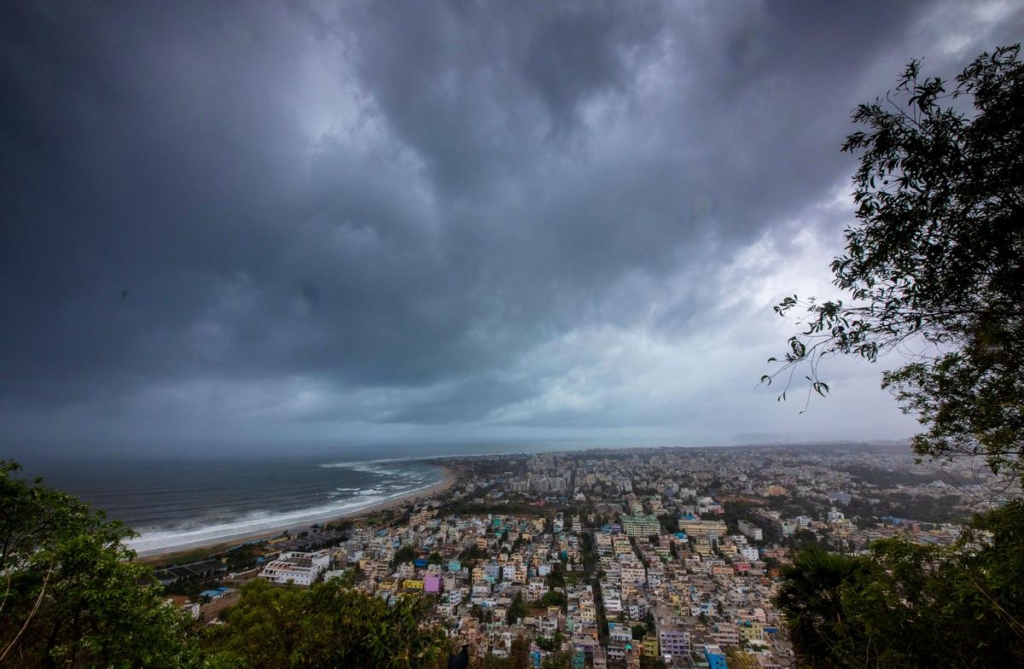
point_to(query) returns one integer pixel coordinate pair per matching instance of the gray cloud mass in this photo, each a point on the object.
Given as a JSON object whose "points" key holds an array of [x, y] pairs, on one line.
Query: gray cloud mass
{"points": [[454, 219]]}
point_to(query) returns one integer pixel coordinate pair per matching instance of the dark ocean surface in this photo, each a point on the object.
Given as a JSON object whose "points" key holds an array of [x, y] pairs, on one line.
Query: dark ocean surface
{"points": [[182, 497]]}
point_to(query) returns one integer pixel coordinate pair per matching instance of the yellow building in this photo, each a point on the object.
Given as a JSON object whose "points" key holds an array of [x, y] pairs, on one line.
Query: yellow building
{"points": [[751, 630]]}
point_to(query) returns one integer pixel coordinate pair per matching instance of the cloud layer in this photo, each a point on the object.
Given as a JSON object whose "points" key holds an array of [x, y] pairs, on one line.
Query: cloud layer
{"points": [[457, 220]]}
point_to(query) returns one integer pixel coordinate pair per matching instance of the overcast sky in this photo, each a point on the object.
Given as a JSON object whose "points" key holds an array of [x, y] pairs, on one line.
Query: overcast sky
{"points": [[429, 221]]}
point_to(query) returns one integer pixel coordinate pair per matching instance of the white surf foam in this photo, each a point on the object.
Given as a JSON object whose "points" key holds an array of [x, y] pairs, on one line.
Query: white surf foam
{"points": [[189, 535], [194, 533]]}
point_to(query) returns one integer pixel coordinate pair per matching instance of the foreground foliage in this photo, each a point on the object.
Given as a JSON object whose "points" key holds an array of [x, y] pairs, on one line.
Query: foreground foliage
{"points": [[325, 626], [70, 594], [907, 605], [936, 260], [935, 263]]}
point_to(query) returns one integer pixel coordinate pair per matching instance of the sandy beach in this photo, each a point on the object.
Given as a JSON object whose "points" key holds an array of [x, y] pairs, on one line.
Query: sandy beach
{"points": [[451, 477]]}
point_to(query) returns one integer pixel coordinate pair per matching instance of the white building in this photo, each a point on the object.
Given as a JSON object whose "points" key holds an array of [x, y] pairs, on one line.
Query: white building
{"points": [[751, 530], [612, 601], [633, 574], [298, 568]]}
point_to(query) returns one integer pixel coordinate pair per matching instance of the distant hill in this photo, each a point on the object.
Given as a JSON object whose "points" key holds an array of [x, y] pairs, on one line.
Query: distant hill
{"points": [[894, 433]]}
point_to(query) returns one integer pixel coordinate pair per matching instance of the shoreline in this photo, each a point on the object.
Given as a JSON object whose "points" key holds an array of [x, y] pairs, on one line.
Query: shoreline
{"points": [[450, 478]]}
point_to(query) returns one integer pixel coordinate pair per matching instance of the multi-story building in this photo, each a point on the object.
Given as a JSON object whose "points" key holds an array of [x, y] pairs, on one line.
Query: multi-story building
{"points": [[640, 526], [695, 527], [751, 630], [633, 574], [674, 641], [714, 656], [612, 601], [751, 530], [297, 568], [619, 633], [650, 645], [725, 634], [421, 517]]}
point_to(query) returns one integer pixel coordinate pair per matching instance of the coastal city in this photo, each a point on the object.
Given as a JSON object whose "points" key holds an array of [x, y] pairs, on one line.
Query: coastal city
{"points": [[610, 558], [512, 335]]}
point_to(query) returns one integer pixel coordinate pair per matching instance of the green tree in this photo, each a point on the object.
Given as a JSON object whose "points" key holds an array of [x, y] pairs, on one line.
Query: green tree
{"points": [[551, 645], [404, 554], [669, 523], [653, 662], [516, 610], [519, 653], [489, 661], [907, 605], [558, 660], [811, 601], [325, 626], [72, 594], [936, 259], [802, 537], [650, 623], [471, 554], [738, 659]]}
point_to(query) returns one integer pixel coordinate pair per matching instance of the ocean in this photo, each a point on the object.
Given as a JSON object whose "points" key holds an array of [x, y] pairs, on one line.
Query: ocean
{"points": [[176, 503], [177, 499]]}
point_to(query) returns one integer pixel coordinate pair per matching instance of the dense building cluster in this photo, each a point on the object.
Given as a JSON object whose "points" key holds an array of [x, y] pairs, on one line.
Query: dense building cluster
{"points": [[610, 556]]}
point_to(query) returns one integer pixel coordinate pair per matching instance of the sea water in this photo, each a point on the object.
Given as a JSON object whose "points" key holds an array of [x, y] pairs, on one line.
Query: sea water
{"points": [[180, 497], [183, 502]]}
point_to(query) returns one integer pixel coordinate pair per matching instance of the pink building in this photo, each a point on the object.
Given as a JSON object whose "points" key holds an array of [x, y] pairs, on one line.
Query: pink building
{"points": [[432, 583]]}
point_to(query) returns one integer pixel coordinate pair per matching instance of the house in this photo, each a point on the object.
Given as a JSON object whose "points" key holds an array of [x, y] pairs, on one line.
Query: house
{"points": [[725, 634], [432, 584], [714, 656], [296, 568]]}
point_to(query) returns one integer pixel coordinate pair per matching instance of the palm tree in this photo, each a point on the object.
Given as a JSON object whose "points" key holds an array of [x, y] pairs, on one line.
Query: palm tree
{"points": [[811, 600]]}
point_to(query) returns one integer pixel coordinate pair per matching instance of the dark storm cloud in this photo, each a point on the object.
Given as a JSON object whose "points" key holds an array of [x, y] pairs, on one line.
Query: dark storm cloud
{"points": [[400, 211]]}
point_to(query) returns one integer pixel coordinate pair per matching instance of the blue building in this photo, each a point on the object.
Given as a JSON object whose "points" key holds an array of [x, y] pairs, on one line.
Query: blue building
{"points": [[715, 657]]}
